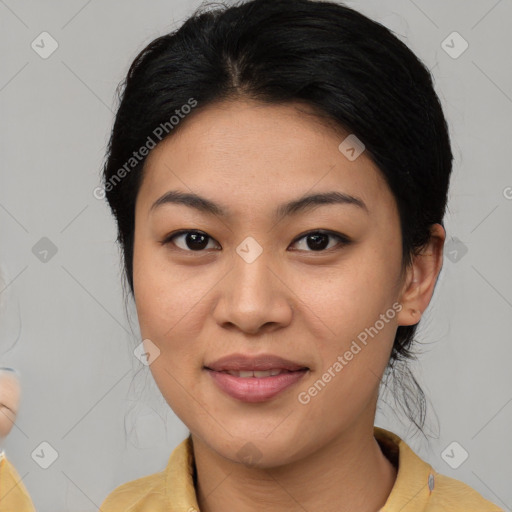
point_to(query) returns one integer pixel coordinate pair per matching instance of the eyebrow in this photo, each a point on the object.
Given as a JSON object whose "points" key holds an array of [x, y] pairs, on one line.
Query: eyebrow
{"points": [[293, 207]]}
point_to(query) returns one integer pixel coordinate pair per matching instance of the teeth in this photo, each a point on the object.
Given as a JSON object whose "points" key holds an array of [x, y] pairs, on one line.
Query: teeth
{"points": [[266, 373], [258, 374]]}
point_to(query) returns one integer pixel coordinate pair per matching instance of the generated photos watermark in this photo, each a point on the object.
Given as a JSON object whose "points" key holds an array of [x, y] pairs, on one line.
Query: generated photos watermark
{"points": [[159, 133], [304, 397]]}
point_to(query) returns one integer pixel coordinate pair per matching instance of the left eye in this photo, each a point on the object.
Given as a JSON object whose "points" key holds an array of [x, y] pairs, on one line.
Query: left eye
{"points": [[319, 240]]}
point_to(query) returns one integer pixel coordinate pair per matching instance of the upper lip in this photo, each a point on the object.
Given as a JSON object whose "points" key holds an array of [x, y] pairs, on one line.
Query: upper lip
{"points": [[242, 362]]}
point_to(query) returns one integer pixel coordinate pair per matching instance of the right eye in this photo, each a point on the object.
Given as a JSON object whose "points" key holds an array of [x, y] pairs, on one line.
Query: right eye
{"points": [[190, 241]]}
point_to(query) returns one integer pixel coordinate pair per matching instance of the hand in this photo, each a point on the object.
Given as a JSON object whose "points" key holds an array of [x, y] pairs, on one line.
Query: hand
{"points": [[9, 399]]}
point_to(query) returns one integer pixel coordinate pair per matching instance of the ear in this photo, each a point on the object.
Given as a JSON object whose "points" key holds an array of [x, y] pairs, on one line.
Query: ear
{"points": [[421, 277]]}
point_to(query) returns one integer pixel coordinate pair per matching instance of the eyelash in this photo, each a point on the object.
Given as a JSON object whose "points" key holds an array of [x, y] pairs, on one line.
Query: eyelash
{"points": [[342, 239]]}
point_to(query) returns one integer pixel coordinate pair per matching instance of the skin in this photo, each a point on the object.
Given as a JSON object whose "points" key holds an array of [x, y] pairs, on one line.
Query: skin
{"points": [[292, 301], [9, 400]]}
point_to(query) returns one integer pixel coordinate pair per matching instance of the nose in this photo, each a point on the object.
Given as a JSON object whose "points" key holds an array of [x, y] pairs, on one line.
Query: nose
{"points": [[253, 297]]}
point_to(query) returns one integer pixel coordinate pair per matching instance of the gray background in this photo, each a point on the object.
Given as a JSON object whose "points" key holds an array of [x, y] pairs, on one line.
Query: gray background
{"points": [[84, 392]]}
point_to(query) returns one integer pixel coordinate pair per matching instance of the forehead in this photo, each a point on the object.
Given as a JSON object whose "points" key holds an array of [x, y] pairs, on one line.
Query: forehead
{"points": [[254, 153]]}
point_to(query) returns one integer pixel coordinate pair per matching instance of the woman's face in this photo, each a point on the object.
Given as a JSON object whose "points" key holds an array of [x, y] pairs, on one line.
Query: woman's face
{"points": [[253, 283]]}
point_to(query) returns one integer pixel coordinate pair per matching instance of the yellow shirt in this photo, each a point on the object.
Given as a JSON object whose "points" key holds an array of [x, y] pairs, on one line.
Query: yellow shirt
{"points": [[418, 488], [13, 495]]}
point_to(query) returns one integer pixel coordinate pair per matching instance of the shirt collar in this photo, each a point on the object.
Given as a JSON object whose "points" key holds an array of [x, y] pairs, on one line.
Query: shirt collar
{"points": [[411, 491], [415, 479]]}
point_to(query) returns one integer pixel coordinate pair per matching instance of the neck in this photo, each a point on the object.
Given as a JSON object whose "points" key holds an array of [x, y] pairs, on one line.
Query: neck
{"points": [[350, 473]]}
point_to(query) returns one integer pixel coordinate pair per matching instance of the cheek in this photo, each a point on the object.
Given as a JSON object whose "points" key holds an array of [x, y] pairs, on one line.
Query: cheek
{"points": [[165, 298], [354, 344], [351, 296], [358, 324], [167, 305], [172, 308]]}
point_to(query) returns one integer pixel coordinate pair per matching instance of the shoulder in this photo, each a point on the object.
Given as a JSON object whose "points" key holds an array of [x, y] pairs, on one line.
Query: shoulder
{"points": [[419, 487], [14, 494], [454, 495], [159, 492], [148, 491]]}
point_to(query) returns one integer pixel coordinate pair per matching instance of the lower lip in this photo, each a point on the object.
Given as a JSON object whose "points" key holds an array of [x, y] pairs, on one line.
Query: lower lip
{"points": [[255, 389]]}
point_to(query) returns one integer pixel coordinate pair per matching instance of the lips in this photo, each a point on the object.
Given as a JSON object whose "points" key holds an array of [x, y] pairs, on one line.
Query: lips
{"points": [[255, 379], [243, 363], [259, 374]]}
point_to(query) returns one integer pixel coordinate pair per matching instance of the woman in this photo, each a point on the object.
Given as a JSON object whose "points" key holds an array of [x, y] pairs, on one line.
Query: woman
{"points": [[278, 171], [13, 493]]}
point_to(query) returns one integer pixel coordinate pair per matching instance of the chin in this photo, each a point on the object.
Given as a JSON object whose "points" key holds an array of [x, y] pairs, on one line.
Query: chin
{"points": [[256, 450]]}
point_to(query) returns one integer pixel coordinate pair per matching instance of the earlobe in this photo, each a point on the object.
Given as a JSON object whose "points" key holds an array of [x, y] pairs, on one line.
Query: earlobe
{"points": [[421, 278]]}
